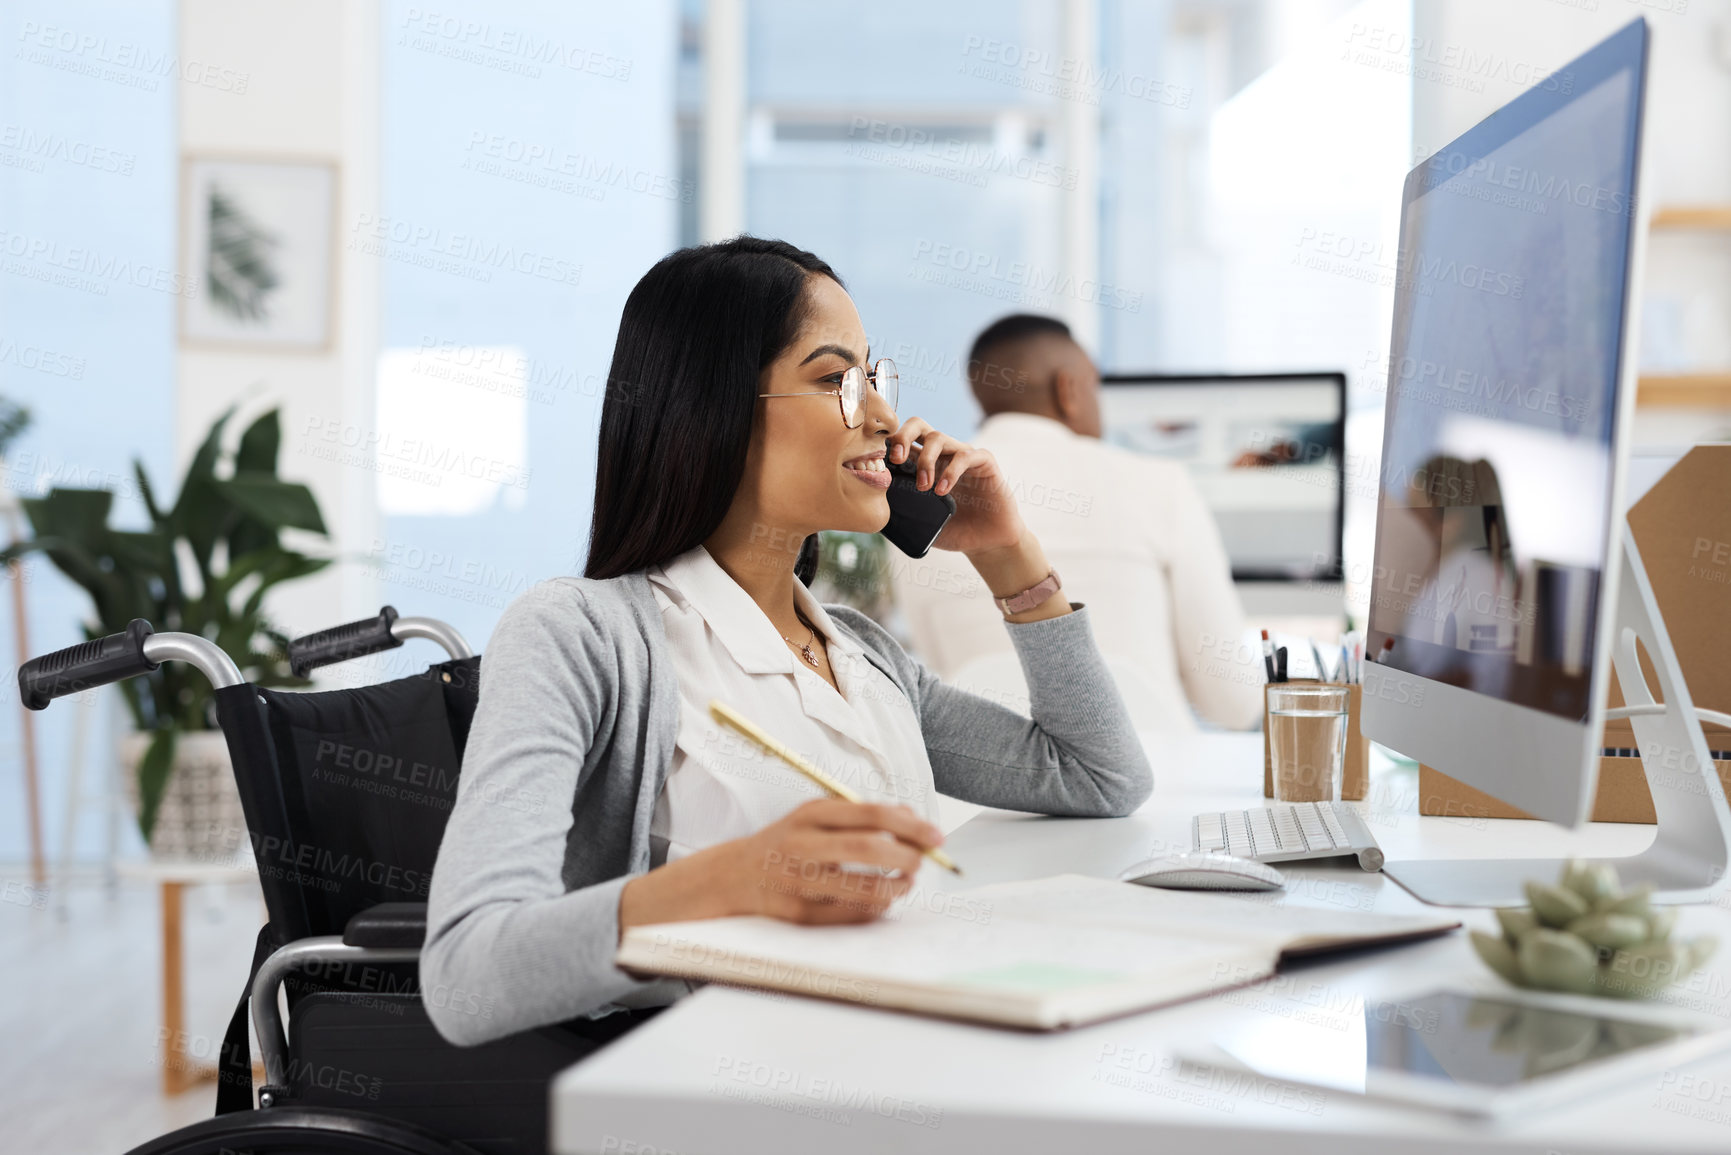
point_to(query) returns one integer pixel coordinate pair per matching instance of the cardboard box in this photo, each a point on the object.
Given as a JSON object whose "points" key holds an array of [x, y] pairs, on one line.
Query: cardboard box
{"points": [[1622, 794], [1682, 527], [1355, 775]]}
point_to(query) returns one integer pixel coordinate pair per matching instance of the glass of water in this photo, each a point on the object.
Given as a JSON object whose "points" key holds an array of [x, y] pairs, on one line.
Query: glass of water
{"points": [[1307, 740]]}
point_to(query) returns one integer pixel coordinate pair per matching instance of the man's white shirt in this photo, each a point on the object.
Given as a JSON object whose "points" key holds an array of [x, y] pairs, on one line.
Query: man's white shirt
{"points": [[1132, 539]]}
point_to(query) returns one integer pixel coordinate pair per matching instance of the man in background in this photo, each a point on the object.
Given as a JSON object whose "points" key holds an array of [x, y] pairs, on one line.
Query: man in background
{"points": [[1129, 536]]}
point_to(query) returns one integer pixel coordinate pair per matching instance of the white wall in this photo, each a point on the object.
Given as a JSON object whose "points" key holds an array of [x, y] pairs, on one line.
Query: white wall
{"points": [[1688, 120], [1688, 141], [312, 70]]}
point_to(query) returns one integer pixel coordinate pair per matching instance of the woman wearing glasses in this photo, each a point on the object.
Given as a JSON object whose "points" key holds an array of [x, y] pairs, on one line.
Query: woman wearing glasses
{"points": [[598, 793]]}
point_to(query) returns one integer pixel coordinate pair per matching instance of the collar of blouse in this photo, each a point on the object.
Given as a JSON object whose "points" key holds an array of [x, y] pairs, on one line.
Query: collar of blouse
{"points": [[757, 646]]}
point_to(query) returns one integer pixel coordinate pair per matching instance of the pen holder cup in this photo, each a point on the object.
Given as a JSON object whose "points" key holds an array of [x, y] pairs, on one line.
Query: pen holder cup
{"points": [[1355, 775]]}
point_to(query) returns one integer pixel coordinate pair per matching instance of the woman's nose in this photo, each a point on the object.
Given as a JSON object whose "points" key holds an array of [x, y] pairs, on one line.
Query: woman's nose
{"points": [[878, 408]]}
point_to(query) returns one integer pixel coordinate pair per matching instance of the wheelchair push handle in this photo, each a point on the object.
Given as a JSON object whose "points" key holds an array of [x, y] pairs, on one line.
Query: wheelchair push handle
{"points": [[86, 665], [341, 643], [102, 661], [387, 631]]}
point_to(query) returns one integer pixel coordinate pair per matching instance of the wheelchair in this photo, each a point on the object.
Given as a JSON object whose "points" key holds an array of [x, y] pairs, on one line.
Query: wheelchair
{"points": [[346, 793]]}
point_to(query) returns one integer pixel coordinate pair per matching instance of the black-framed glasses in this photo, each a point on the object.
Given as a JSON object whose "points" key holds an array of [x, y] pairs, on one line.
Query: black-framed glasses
{"points": [[883, 377]]}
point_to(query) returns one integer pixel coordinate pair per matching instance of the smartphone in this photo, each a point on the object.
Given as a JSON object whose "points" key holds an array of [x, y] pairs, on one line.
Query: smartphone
{"points": [[915, 517]]}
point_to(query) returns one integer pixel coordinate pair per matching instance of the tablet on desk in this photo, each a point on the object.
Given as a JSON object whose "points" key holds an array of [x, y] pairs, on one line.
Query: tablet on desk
{"points": [[1493, 1054]]}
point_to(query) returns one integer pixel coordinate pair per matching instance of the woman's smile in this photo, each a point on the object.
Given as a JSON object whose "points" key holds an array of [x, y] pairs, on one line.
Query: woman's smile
{"points": [[870, 469]]}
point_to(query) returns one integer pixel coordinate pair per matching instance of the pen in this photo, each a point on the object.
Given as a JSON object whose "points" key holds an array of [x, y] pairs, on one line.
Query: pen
{"points": [[1316, 656], [1280, 664], [729, 716], [1345, 665], [1268, 656]]}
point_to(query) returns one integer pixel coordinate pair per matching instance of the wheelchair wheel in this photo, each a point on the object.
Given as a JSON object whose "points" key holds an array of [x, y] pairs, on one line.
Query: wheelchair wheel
{"points": [[301, 1131]]}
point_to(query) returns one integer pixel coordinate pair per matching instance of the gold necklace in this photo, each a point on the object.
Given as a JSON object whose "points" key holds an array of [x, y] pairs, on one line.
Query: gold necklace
{"points": [[805, 650]]}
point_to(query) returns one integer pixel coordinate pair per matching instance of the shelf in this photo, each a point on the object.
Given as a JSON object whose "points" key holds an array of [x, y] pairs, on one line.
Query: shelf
{"points": [[1710, 390], [1685, 390], [1692, 217]]}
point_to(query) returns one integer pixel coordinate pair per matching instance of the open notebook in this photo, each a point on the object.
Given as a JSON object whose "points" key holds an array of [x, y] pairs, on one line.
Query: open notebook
{"points": [[1052, 953]]}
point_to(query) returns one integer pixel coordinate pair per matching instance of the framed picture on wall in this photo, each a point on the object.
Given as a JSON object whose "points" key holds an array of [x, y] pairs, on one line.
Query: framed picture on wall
{"points": [[259, 250]]}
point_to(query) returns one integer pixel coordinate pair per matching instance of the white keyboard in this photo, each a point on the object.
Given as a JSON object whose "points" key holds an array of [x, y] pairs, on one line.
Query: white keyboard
{"points": [[1287, 831]]}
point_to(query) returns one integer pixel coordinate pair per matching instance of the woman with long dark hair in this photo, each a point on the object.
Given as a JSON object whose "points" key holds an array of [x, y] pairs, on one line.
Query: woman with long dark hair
{"points": [[744, 414]]}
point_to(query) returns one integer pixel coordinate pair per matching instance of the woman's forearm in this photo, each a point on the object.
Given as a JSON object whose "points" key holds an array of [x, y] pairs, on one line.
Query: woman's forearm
{"points": [[798, 868], [1008, 570], [689, 888]]}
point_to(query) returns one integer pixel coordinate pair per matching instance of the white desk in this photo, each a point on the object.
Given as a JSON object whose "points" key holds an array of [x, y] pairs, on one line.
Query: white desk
{"points": [[745, 1073]]}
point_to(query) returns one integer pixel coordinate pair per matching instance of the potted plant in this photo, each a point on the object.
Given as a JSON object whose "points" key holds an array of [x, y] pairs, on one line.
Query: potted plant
{"points": [[203, 566], [854, 569]]}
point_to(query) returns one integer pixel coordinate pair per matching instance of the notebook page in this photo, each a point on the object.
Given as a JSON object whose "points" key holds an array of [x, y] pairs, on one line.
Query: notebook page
{"points": [[1047, 953], [1008, 955]]}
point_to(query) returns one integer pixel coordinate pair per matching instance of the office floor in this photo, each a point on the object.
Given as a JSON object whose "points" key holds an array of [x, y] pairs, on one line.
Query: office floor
{"points": [[81, 1010]]}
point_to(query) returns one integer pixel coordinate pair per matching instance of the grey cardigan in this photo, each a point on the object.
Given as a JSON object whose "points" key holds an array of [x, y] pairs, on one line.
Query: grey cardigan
{"points": [[571, 742]]}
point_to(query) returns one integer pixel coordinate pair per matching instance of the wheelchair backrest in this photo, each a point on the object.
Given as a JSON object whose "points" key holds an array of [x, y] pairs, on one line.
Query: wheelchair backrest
{"points": [[347, 791]]}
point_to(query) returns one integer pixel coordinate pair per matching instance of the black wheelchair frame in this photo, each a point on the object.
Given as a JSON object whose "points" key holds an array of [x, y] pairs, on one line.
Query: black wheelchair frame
{"points": [[360, 1069]]}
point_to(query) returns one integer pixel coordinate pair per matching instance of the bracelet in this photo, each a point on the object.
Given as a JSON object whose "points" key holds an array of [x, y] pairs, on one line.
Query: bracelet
{"points": [[1031, 597]]}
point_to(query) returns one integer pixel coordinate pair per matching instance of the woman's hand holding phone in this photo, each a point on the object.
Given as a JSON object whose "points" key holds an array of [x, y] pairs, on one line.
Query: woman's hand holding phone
{"points": [[986, 516], [987, 526], [796, 869]]}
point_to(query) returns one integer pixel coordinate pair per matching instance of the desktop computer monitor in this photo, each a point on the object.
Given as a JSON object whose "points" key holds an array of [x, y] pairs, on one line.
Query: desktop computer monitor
{"points": [[1265, 451], [1499, 517]]}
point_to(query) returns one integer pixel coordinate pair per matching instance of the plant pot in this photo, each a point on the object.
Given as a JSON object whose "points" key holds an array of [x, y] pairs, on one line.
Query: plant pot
{"points": [[200, 819]]}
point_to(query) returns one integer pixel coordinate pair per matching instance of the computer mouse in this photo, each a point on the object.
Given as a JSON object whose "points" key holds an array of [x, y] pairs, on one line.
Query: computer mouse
{"points": [[1204, 870]]}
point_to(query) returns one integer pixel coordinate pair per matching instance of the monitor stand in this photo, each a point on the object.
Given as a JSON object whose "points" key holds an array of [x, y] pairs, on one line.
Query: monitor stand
{"points": [[1692, 840]]}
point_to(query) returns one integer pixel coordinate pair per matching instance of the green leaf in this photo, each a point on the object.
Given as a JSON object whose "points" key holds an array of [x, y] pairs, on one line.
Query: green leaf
{"points": [[242, 567], [78, 514], [259, 446], [136, 573], [149, 495], [278, 504], [203, 464], [288, 566], [14, 420], [71, 528], [201, 515], [145, 551], [250, 535], [109, 593], [153, 771], [256, 456], [301, 566]]}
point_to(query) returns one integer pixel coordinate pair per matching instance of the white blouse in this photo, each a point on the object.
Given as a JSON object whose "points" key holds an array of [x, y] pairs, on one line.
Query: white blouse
{"points": [[721, 785]]}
